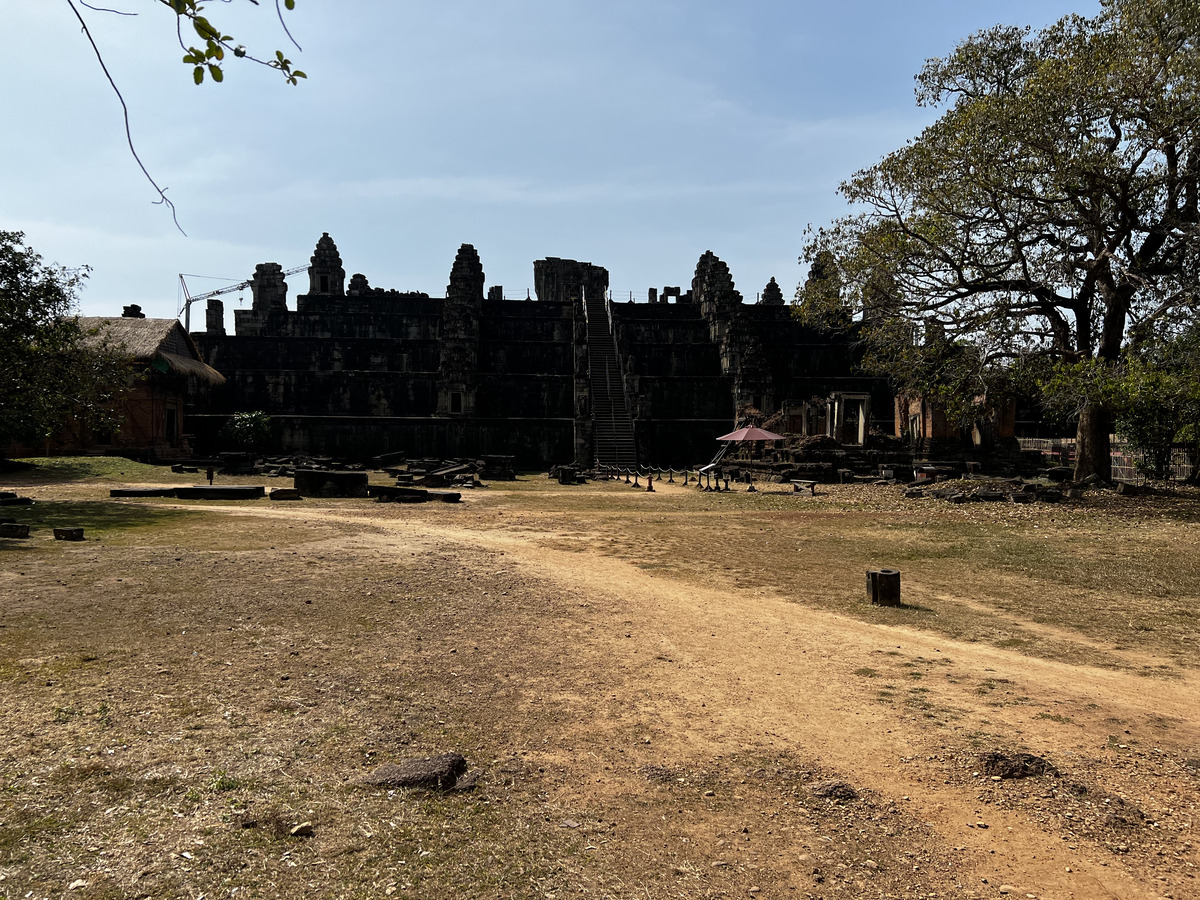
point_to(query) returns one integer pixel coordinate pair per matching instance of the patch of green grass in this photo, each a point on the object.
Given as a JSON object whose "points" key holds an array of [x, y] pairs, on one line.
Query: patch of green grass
{"points": [[866, 672], [97, 517], [79, 468], [37, 829], [222, 781]]}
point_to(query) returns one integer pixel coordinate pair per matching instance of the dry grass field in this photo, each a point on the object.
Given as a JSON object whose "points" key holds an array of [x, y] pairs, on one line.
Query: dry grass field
{"points": [[654, 688]]}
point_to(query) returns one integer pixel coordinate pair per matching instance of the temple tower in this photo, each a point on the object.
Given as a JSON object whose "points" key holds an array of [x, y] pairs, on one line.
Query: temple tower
{"points": [[458, 363], [741, 352], [772, 295], [325, 274]]}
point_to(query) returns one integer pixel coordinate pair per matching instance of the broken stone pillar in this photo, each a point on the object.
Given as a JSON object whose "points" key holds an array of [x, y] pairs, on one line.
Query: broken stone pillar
{"points": [[214, 317], [495, 293], [883, 587], [268, 289], [358, 285], [653, 295]]}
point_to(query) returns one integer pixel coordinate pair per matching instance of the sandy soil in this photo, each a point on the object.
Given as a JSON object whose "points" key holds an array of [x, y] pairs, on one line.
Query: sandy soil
{"points": [[664, 728]]}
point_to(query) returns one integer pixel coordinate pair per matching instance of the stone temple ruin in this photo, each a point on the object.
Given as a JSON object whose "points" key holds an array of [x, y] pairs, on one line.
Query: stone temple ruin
{"points": [[358, 371]]}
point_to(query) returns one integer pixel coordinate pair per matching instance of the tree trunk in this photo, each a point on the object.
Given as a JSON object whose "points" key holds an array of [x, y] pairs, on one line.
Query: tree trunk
{"points": [[1093, 455]]}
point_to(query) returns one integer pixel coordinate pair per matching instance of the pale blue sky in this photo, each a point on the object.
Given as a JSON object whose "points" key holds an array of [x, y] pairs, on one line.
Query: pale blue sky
{"points": [[635, 134]]}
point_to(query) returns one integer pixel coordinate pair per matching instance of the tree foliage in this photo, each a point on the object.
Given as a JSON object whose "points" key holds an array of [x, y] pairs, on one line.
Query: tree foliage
{"points": [[1158, 400], [209, 58], [819, 300], [248, 431], [1050, 213], [51, 372]]}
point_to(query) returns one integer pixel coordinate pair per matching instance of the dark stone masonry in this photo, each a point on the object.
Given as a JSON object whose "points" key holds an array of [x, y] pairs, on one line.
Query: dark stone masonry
{"points": [[359, 371]]}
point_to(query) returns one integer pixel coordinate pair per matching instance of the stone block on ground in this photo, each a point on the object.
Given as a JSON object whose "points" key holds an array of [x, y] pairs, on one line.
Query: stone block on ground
{"points": [[285, 494], [390, 459], [68, 534], [398, 493], [221, 492], [439, 772], [321, 483], [13, 530]]}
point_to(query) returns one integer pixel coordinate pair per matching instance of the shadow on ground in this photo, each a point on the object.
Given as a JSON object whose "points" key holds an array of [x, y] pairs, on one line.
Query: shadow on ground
{"points": [[93, 516]]}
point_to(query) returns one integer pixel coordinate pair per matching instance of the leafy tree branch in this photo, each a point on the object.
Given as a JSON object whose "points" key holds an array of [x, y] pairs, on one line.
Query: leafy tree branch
{"points": [[205, 61]]}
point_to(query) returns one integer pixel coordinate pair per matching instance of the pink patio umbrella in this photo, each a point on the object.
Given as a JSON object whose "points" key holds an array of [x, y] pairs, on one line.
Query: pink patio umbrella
{"points": [[751, 434]]}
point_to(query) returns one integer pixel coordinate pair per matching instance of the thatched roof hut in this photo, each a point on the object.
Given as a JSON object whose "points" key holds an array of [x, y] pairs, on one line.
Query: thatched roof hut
{"points": [[161, 344]]}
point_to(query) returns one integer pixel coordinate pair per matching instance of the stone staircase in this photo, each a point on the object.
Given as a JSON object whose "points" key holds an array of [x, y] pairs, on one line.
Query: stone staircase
{"points": [[612, 426]]}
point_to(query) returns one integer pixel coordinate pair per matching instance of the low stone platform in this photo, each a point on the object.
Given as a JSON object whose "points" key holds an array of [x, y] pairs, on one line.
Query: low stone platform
{"points": [[221, 492], [142, 492], [387, 493]]}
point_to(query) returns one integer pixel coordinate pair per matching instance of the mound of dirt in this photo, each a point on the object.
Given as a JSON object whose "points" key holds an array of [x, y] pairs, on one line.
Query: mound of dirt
{"points": [[1016, 765]]}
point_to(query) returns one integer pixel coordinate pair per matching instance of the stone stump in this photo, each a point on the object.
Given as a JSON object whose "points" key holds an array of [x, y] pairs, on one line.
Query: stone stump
{"points": [[883, 587]]}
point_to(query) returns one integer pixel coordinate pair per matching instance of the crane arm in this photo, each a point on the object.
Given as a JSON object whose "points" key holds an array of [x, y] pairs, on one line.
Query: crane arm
{"points": [[189, 298]]}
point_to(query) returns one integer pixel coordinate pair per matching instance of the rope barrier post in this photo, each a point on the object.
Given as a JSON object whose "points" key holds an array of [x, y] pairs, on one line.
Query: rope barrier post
{"points": [[635, 480], [649, 484], [670, 476]]}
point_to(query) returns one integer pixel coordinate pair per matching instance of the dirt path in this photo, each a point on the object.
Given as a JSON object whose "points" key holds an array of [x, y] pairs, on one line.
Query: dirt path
{"points": [[897, 712]]}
